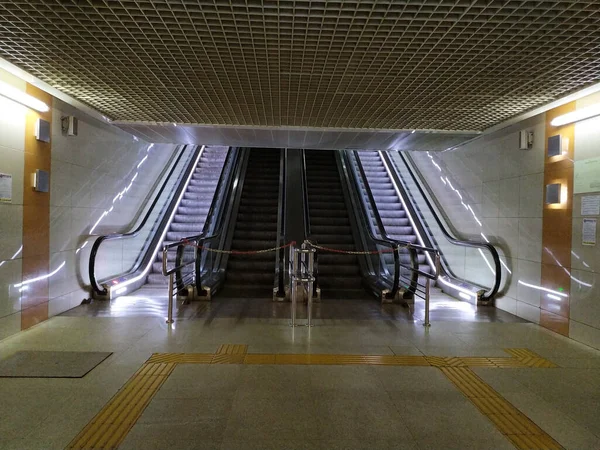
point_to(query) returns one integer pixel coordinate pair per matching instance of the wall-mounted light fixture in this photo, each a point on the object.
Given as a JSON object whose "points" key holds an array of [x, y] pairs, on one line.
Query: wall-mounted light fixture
{"points": [[553, 194], [16, 95], [577, 115]]}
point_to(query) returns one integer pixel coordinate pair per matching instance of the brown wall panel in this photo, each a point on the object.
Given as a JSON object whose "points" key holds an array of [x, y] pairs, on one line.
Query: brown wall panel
{"points": [[36, 219], [557, 228]]}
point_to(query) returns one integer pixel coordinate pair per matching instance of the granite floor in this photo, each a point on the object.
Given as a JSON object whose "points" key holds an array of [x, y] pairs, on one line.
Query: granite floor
{"points": [[294, 406]]}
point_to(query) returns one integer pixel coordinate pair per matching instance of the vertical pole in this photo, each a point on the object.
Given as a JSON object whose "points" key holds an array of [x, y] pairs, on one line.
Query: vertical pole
{"points": [[170, 310], [437, 264], [427, 283], [311, 280], [294, 255]]}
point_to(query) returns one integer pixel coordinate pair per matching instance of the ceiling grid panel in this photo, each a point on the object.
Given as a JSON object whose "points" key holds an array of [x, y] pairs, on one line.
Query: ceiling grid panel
{"points": [[372, 64]]}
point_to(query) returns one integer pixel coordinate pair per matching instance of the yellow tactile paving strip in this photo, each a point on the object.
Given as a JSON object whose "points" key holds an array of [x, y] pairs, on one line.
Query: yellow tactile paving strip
{"points": [[113, 422], [515, 425]]}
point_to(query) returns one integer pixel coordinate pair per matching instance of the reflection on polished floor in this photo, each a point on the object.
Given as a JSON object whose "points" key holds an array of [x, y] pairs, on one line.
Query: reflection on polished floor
{"points": [[267, 398], [151, 302]]}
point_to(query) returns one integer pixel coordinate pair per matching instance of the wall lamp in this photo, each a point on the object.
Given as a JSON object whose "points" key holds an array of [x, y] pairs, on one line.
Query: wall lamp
{"points": [[576, 116], [16, 95]]}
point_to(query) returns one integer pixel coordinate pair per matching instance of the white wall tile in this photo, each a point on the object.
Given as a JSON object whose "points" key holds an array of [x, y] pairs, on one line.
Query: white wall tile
{"points": [[507, 304], [11, 224], [10, 325], [530, 273], [585, 297], [10, 297], [530, 239], [528, 312], [531, 195]]}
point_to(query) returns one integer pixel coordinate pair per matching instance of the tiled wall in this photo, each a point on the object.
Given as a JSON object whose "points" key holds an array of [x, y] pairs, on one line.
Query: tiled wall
{"points": [[89, 171], [12, 161], [503, 186], [87, 174], [584, 323]]}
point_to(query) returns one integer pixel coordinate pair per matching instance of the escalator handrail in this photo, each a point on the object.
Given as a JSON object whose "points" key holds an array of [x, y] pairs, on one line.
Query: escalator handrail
{"points": [[307, 231], [281, 213], [114, 236], [461, 242]]}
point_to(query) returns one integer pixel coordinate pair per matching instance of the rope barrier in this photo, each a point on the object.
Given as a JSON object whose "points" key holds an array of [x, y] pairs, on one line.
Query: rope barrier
{"points": [[238, 252], [274, 249], [349, 252]]}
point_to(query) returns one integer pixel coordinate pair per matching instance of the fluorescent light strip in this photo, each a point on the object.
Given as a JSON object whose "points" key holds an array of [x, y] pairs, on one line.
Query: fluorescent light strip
{"points": [[23, 98], [162, 237], [576, 116]]}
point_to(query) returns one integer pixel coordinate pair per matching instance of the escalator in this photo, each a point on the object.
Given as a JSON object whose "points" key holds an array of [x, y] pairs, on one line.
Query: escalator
{"points": [[339, 273], [191, 213], [389, 206], [176, 207], [390, 203], [256, 228]]}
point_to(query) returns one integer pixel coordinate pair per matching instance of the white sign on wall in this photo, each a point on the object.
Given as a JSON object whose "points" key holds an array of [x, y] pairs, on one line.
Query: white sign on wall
{"points": [[590, 205], [589, 231], [587, 176], [5, 188]]}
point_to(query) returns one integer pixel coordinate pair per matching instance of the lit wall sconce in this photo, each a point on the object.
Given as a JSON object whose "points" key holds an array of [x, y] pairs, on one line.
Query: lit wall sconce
{"points": [[577, 115], [553, 194], [41, 181], [42, 130], [557, 145], [16, 95]]}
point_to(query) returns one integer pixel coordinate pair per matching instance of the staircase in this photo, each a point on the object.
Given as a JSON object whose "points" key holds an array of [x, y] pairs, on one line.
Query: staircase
{"points": [[393, 215], [253, 275], [339, 274], [191, 212]]}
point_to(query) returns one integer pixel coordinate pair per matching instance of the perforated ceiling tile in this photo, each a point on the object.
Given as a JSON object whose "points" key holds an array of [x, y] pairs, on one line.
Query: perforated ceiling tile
{"points": [[452, 65]]}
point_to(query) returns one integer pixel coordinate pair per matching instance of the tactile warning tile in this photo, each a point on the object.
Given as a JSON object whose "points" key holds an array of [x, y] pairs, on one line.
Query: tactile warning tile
{"points": [[529, 358], [233, 349], [182, 358], [110, 426], [425, 64], [511, 422]]}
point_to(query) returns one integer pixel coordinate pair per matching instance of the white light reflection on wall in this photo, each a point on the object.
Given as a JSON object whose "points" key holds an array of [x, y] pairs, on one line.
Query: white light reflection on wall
{"points": [[42, 277], [119, 197], [13, 256]]}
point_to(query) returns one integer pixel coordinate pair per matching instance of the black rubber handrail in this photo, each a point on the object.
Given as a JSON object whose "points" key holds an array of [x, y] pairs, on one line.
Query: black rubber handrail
{"points": [[114, 236], [233, 184], [282, 222], [463, 243], [306, 207]]}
